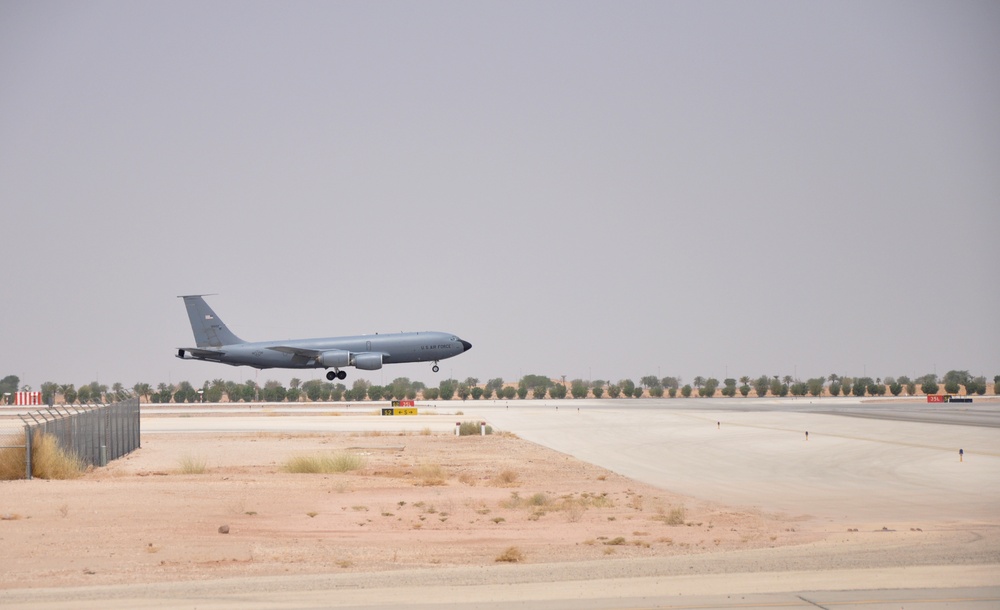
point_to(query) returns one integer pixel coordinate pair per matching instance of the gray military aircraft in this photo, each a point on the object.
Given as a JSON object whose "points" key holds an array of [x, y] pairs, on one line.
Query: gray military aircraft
{"points": [[216, 343]]}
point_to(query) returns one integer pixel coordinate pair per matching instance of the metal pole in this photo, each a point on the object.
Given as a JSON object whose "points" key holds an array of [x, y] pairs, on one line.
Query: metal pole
{"points": [[27, 452]]}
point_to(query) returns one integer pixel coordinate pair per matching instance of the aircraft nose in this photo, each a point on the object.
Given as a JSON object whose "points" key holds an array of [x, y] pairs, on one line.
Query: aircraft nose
{"points": [[466, 345]]}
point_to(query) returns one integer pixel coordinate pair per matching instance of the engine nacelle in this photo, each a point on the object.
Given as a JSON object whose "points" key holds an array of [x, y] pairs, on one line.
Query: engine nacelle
{"points": [[368, 362], [335, 358]]}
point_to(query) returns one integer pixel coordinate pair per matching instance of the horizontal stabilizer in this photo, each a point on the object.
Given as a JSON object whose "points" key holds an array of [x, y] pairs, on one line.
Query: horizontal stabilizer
{"points": [[209, 354]]}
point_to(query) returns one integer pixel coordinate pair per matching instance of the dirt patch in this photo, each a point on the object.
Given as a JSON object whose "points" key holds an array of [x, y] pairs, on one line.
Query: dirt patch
{"points": [[415, 500]]}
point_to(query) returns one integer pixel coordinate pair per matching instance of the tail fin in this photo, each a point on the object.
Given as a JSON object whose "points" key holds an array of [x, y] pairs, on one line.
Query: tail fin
{"points": [[209, 330]]}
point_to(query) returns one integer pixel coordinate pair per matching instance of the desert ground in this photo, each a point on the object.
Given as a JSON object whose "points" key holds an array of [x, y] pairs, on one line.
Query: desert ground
{"points": [[426, 506], [418, 500]]}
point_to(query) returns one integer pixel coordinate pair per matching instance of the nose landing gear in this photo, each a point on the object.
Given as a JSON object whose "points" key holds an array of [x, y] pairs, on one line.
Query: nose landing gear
{"points": [[435, 368]]}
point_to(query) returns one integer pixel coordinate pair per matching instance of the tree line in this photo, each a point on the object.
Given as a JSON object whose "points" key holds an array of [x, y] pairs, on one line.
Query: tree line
{"points": [[533, 386]]}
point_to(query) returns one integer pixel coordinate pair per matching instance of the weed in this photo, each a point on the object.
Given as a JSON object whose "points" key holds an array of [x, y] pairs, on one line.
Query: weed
{"points": [[498, 520], [472, 428], [506, 478], [616, 541], [324, 464], [49, 460], [192, 464], [538, 499], [514, 501], [431, 475], [511, 555], [12, 464], [674, 517], [312, 514]]}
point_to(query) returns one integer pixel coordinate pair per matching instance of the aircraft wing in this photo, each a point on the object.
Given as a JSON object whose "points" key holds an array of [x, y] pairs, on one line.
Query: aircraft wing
{"points": [[299, 355], [296, 351]]}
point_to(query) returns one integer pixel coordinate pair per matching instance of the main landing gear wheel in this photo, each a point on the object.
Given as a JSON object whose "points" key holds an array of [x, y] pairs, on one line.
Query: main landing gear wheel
{"points": [[331, 375], [435, 368]]}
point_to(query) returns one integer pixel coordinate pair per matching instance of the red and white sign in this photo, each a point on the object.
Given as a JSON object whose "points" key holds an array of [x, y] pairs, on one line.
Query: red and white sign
{"points": [[27, 398], [934, 398]]}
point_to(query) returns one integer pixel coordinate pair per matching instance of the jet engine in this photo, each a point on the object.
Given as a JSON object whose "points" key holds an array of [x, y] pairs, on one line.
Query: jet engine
{"points": [[368, 362], [335, 358]]}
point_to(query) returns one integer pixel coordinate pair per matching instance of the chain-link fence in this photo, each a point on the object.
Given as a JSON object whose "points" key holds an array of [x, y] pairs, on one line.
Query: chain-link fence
{"points": [[95, 434]]}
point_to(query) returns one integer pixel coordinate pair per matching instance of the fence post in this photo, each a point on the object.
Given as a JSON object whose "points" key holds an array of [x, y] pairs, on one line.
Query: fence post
{"points": [[27, 452]]}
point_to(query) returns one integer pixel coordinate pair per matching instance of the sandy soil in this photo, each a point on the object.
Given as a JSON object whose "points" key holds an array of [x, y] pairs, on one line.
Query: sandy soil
{"points": [[419, 500]]}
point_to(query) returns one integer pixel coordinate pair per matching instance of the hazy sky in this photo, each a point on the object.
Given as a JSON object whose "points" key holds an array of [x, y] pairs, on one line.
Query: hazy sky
{"points": [[589, 189]]}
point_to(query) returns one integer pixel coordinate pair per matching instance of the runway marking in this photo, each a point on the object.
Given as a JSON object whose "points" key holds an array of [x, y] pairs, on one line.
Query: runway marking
{"points": [[846, 436]]}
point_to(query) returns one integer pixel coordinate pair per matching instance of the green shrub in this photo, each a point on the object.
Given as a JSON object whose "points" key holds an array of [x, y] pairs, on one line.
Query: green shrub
{"points": [[472, 428]]}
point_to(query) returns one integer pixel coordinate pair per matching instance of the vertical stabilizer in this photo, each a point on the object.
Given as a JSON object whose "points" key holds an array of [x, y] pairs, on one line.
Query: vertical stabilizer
{"points": [[209, 330]]}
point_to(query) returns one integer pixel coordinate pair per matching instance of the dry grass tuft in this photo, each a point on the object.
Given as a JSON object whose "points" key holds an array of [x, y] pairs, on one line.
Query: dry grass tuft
{"points": [[11, 464], [511, 555], [192, 464], [431, 475], [50, 461], [674, 517], [324, 464], [506, 478]]}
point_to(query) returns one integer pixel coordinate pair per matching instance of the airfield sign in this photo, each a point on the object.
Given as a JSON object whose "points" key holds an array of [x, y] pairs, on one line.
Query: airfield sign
{"points": [[400, 407]]}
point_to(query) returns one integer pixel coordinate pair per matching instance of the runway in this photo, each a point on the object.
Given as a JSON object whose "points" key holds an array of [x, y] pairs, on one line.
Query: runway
{"points": [[849, 467]]}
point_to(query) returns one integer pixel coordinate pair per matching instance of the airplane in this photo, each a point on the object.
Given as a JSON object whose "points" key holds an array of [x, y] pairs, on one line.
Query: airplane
{"points": [[216, 343]]}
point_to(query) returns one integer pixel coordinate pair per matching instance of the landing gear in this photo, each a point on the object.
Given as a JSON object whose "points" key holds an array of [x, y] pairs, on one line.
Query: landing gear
{"points": [[435, 368], [331, 375]]}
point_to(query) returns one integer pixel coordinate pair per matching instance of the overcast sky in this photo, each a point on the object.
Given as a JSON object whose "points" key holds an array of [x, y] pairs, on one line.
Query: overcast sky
{"points": [[590, 189]]}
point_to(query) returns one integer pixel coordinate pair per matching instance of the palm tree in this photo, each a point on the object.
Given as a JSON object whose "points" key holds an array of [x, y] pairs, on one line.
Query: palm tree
{"points": [[142, 389]]}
